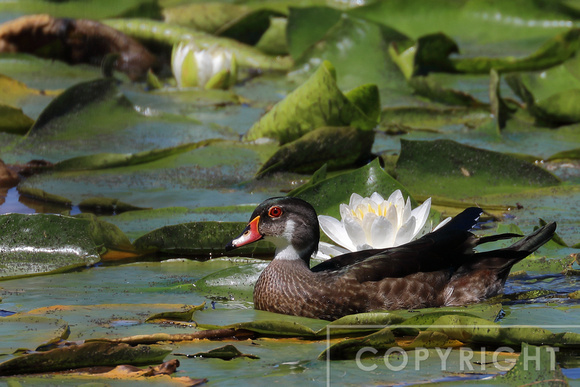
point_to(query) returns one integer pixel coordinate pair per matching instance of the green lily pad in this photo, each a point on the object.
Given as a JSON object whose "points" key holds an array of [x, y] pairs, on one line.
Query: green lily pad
{"points": [[316, 34], [103, 112], [476, 26], [200, 177], [428, 86], [185, 314], [96, 9], [40, 331], [349, 349], [534, 366], [13, 120], [40, 244], [199, 238], [476, 330], [412, 320], [552, 95], [328, 194], [275, 328], [273, 41], [208, 17], [227, 352], [248, 28], [431, 53], [459, 171], [234, 283], [83, 355], [316, 103], [308, 25], [112, 160], [572, 154], [168, 34], [319, 147], [553, 317], [138, 223], [431, 118], [106, 205]]}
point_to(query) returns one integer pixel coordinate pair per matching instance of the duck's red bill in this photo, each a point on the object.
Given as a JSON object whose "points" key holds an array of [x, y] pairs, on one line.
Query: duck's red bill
{"points": [[249, 235]]}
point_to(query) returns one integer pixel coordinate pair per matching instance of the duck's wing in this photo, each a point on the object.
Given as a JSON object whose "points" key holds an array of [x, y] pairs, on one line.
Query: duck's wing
{"points": [[444, 249], [426, 254]]}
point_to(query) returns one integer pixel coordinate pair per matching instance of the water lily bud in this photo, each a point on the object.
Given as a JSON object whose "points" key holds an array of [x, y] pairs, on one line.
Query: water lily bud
{"points": [[211, 68]]}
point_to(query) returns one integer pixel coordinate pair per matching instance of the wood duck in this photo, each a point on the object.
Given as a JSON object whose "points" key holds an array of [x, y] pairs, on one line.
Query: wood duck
{"points": [[439, 269]]}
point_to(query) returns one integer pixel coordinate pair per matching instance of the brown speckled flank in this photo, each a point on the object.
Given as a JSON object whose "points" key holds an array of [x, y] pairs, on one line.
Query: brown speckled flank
{"points": [[439, 269]]}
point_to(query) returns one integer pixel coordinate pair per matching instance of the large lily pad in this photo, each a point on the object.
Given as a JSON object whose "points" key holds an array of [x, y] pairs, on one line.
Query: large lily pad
{"points": [[477, 330], [103, 112], [40, 331], [96, 9], [40, 244], [328, 194], [200, 238], [13, 120], [246, 56], [316, 34], [316, 103], [319, 147], [455, 170], [83, 355], [552, 95]]}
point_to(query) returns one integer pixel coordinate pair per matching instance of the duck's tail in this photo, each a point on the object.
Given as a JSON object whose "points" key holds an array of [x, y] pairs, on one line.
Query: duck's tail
{"points": [[485, 273], [502, 260]]}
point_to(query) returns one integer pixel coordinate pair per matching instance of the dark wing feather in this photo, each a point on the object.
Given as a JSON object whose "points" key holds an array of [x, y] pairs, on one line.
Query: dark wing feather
{"points": [[440, 250]]}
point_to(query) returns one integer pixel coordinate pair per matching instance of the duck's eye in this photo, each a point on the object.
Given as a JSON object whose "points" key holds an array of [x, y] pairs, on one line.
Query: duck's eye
{"points": [[275, 212]]}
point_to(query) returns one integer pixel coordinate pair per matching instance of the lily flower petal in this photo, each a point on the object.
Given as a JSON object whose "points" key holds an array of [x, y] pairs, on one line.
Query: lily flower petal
{"points": [[405, 233], [334, 228], [374, 222], [355, 231], [382, 233], [421, 214]]}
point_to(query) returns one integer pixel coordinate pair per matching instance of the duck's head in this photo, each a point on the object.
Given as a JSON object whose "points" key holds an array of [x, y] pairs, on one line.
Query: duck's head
{"points": [[290, 223]]}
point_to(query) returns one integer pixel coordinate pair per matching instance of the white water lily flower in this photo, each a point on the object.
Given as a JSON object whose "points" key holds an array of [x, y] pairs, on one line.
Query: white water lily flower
{"points": [[210, 68], [374, 223]]}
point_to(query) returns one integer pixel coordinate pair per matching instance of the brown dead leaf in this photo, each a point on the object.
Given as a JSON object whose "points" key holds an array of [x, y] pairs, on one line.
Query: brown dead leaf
{"points": [[129, 372], [8, 177], [75, 41], [210, 334]]}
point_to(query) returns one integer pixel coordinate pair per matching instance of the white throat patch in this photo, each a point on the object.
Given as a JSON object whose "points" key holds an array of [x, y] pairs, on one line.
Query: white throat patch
{"points": [[284, 248]]}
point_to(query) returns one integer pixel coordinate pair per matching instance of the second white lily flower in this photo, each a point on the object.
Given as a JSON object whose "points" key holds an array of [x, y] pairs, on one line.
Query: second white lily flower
{"points": [[210, 68]]}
